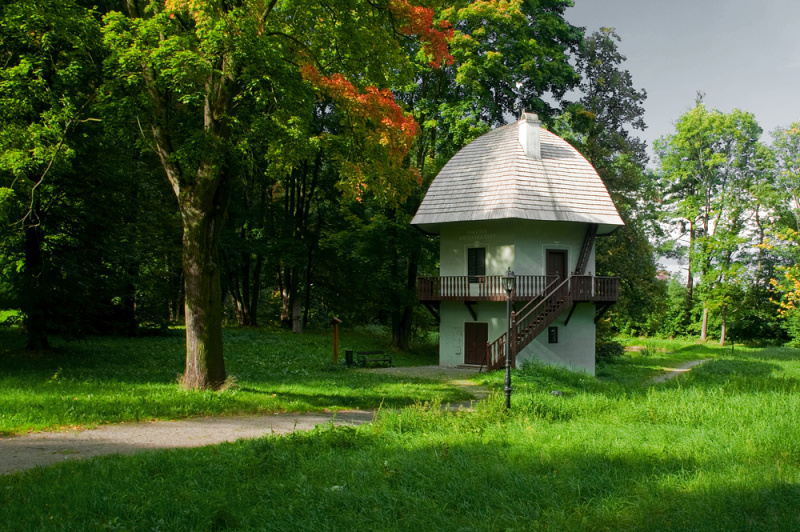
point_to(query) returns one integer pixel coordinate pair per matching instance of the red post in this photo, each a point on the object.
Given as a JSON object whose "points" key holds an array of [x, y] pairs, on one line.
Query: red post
{"points": [[336, 322]]}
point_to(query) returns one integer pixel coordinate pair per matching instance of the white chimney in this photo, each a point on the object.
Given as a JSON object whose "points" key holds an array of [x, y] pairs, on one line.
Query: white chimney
{"points": [[529, 136]]}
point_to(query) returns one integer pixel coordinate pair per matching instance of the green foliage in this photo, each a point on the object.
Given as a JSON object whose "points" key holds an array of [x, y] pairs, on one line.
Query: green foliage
{"points": [[608, 350], [710, 173], [599, 125], [792, 325]]}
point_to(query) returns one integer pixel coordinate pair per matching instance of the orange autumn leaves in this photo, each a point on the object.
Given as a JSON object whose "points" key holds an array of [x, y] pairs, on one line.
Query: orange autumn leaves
{"points": [[419, 22], [374, 116]]}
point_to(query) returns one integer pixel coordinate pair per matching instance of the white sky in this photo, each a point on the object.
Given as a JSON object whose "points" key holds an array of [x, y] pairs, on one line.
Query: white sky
{"points": [[742, 54]]}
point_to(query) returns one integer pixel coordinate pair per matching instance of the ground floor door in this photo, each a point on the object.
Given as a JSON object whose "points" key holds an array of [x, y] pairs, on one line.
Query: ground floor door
{"points": [[476, 335]]}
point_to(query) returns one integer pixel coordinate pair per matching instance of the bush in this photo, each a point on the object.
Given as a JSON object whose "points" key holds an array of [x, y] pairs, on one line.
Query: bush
{"points": [[608, 350]]}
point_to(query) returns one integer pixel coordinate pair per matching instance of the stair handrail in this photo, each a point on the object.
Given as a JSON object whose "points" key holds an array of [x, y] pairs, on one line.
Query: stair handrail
{"points": [[540, 303], [491, 348], [540, 297]]}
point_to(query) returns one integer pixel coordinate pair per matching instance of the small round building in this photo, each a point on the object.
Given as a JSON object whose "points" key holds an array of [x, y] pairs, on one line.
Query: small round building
{"points": [[518, 198]]}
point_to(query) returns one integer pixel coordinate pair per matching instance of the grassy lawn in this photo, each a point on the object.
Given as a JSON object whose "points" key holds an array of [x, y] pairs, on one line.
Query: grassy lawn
{"points": [[716, 449], [108, 380]]}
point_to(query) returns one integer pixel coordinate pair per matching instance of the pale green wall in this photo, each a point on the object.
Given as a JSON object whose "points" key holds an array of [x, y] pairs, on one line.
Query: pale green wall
{"points": [[516, 244], [496, 237], [454, 315], [575, 347], [519, 245]]}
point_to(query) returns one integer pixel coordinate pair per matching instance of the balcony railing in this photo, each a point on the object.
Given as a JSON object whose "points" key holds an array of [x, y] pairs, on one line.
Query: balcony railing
{"points": [[583, 288], [479, 287]]}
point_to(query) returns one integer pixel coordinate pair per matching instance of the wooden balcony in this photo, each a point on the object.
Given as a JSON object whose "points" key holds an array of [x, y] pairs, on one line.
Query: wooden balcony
{"points": [[588, 288], [584, 288]]}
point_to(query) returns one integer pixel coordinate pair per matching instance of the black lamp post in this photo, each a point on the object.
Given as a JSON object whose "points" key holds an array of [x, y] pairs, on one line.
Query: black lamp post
{"points": [[509, 283]]}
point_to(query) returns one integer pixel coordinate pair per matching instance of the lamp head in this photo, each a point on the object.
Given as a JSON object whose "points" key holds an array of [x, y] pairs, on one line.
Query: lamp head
{"points": [[509, 281]]}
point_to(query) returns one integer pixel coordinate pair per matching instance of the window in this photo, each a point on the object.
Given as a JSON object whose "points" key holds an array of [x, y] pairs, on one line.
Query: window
{"points": [[476, 263]]}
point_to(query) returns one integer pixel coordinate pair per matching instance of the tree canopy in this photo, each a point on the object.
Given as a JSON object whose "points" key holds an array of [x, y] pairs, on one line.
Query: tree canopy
{"points": [[203, 162]]}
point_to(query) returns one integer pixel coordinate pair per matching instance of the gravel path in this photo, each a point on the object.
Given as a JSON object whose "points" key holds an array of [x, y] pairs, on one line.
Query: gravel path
{"points": [[18, 453], [45, 448]]}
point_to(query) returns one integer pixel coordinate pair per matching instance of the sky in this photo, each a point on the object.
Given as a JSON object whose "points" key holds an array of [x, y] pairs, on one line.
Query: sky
{"points": [[741, 54]]}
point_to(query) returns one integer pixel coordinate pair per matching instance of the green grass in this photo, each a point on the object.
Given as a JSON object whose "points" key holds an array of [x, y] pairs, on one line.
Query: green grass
{"points": [[109, 380], [717, 449], [8, 315]]}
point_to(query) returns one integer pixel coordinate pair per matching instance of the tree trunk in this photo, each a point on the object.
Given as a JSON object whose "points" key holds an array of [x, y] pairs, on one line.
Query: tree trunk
{"points": [[401, 326], [129, 323], [202, 225], [244, 299], [724, 326], [34, 305], [704, 325], [297, 315], [286, 278], [256, 291], [690, 279], [309, 273]]}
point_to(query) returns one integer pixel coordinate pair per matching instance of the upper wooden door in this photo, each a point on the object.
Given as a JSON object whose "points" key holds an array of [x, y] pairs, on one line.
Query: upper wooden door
{"points": [[556, 263]]}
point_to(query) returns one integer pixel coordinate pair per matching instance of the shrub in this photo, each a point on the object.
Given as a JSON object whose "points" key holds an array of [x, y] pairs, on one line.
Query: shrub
{"points": [[607, 350]]}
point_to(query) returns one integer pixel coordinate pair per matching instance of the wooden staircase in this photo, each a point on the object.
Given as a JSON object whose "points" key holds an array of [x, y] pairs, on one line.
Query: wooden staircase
{"points": [[529, 323], [586, 249]]}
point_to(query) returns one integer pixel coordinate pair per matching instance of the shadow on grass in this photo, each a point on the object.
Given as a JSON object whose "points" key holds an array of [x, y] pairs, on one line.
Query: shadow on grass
{"points": [[740, 376], [346, 479], [721, 369]]}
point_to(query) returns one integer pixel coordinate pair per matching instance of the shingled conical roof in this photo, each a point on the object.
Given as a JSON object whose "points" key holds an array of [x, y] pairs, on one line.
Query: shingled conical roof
{"points": [[494, 178]]}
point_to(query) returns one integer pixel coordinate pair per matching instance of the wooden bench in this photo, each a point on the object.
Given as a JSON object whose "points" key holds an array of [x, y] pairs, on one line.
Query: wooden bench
{"points": [[373, 357]]}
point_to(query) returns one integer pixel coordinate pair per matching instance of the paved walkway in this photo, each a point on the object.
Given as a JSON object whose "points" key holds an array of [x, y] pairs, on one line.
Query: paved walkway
{"points": [[18, 453]]}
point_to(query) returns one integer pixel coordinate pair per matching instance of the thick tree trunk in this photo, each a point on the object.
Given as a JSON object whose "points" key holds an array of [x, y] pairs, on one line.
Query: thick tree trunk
{"points": [[34, 304], [202, 225], [724, 327]]}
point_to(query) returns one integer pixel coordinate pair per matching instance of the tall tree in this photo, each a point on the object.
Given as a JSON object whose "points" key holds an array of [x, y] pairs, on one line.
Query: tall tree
{"points": [[601, 126], [47, 88], [194, 60], [707, 168], [783, 235]]}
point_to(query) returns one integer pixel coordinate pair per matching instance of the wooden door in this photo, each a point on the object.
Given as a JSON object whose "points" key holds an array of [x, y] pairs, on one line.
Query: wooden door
{"points": [[476, 335], [557, 263]]}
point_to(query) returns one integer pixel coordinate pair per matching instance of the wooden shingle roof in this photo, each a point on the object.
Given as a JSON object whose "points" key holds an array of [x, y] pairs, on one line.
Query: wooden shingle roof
{"points": [[492, 178]]}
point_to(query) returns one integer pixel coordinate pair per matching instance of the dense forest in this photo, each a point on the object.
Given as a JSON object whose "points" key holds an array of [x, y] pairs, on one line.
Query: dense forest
{"points": [[247, 162]]}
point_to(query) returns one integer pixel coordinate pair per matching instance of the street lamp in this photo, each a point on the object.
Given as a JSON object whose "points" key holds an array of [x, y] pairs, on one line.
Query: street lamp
{"points": [[509, 283]]}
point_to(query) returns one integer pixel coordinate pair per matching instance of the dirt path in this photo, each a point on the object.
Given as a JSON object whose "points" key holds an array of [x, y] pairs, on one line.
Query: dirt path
{"points": [[18, 453], [46, 448], [458, 377], [671, 373]]}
